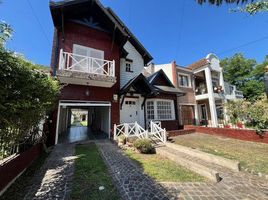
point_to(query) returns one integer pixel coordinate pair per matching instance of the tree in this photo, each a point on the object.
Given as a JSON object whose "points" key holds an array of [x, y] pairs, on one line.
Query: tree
{"points": [[245, 74], [252, 6], [254, 114], [27, 93], [237, 69], [5, 33]]}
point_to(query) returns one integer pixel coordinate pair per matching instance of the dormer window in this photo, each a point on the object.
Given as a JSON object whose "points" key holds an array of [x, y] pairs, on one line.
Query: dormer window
{"points": [[129, 65]]}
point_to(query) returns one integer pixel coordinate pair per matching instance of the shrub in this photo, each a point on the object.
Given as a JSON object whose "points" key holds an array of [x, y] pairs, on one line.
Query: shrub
{"points": [[132, 139], [122, 139], [144, 146]]}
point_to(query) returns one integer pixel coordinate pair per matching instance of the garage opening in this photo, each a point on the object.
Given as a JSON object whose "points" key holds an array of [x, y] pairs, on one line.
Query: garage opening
{"points": [[79, 121]]}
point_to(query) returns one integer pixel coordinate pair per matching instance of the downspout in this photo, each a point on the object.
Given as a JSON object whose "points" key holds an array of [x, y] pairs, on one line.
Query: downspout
{"points": [[56, 54]]}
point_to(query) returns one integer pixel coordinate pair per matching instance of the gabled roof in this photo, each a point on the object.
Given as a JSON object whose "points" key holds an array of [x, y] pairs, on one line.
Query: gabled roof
{"points": [[73, 9], [140, 84], [200, 63], [160, 73], [147, 86]]}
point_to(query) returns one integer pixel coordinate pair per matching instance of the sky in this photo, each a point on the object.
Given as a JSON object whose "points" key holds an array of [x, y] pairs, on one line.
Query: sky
{"points": [[179, 30]]}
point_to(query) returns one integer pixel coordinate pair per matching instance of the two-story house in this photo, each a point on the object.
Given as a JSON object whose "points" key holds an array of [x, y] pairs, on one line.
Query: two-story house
{"points": [[98, 62], [205, 90]]}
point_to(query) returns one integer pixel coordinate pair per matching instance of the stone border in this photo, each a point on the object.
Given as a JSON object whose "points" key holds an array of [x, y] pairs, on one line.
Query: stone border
{"points": [[231, 164], [193, 166]]}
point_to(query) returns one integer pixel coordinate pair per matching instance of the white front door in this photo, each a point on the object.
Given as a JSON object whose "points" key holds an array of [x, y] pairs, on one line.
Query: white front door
{"points": [[129, 112]]}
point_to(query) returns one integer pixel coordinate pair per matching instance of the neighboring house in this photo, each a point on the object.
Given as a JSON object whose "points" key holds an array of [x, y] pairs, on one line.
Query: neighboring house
{"points": [[149, 97], [205, 90], [99, 62], [231, 92]]}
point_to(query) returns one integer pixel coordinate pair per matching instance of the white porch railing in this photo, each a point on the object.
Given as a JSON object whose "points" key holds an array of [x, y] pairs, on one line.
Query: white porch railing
{"points": [[134, 129], [157, 131], [130, 129], [80, 63]]}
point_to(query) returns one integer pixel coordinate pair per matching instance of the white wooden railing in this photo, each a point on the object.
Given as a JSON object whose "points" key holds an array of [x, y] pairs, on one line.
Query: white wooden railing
{"points": [[134, 129], [80, 63], [130, 129], [157, 131]]}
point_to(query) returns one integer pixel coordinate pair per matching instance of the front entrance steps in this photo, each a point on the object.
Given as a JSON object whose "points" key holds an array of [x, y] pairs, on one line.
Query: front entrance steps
{"points": [[207, 165]]}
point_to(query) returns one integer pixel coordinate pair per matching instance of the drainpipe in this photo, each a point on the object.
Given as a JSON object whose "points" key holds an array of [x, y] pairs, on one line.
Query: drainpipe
{"points": [[56, 54]]}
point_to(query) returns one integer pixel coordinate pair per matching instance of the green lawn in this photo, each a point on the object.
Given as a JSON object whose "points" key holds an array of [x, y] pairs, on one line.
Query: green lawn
{"points": [[162, 169], [83, 123], [91, 173], [252, 155]]}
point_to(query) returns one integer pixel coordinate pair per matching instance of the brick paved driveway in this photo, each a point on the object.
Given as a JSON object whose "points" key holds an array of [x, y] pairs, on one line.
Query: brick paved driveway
{"points": [[53, 180]]}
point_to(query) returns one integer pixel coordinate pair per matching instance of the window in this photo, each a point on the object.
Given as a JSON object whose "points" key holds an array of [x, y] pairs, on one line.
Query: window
{"points": [[150, 110], [130, 102], [184, 80], [82, 64], [164, 110], [160, 110], [129, 65]]}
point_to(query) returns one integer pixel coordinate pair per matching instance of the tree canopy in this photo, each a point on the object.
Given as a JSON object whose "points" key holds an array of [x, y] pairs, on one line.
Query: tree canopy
{"points": [[246, 74], [251, 6]]}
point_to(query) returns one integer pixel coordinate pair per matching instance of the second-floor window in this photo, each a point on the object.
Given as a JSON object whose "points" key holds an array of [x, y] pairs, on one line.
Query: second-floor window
{"points": [[129, 65], [184, 80], [94, 61]]}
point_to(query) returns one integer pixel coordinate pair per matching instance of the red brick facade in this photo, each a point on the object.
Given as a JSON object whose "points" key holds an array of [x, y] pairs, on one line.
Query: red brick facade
{"points": [[241, 134], [85, 36]]}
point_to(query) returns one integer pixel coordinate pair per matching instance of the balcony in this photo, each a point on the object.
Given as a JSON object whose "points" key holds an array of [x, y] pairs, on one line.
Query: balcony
{"points": [[239, 94], [84, 70]]}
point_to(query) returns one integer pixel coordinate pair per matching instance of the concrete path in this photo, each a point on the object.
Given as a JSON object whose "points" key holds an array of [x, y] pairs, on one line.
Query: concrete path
{"points": [[53, 179]]}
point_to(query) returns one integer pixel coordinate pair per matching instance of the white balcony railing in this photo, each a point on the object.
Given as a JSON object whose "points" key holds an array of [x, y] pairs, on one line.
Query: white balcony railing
{"points": [[238, 93], [80, 63]]}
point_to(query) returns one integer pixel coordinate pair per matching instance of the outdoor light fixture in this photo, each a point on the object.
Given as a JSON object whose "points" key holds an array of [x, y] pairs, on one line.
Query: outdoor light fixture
{"points": [[115, 97], [87, 92]]}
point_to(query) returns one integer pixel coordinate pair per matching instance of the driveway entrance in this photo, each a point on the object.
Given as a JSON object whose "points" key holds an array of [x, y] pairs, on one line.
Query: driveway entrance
{"points": [[96, 116]]}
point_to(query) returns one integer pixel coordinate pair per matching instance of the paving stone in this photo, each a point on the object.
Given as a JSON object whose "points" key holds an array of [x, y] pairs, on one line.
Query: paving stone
{"points": [[53, 180]]}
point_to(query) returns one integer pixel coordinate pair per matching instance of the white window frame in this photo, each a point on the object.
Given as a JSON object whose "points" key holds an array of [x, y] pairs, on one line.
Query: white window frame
{"points": [[189, 80], [88, 49], [155, 109]]}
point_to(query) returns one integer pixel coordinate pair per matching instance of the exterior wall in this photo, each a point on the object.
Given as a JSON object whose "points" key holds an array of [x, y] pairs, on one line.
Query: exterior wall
{"points": [[169, 124], [82, 35], [189, 97], [167, 68], [11, 169], [137, 64], [241, 134], [78, 92]]}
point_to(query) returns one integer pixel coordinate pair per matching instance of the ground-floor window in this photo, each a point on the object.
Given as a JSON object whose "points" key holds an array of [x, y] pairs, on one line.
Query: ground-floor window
{"points": [[160, 109]]}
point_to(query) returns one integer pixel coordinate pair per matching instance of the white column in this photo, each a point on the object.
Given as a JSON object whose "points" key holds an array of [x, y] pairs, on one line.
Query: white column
{"points": [[211, 100], [196, 116], [222, 81]]}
